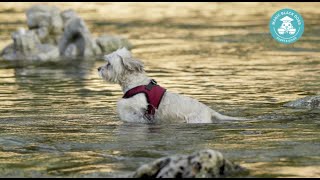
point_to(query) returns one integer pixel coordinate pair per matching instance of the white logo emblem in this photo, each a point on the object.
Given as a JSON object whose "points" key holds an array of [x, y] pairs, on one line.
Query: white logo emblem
{"points": [[286, 26]]}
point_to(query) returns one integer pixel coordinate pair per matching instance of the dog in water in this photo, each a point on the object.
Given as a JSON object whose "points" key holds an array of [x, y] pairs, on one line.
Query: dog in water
{"points": [[144, 101]]}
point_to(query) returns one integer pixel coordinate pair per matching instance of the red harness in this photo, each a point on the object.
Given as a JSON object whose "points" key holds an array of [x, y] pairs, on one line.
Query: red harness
{"points": [[153, 94]]}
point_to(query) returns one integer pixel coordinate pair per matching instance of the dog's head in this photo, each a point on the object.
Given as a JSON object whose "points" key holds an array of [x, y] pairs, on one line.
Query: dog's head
{"points": [[119, 64]]}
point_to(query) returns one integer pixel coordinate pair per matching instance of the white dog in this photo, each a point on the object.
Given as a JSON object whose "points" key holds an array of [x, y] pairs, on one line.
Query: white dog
{"points": [[127, 71]]}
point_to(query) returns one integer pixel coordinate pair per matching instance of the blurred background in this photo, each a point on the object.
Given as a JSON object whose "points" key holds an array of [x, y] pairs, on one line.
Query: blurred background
{"points": [[60, 120]]}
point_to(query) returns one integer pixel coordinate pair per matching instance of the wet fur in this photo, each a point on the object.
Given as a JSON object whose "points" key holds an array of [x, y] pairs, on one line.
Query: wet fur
{"points": [[128, 72]]}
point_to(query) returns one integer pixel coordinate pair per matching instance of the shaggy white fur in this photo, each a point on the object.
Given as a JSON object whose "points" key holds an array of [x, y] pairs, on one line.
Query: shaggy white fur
{"points": [[127, 71]]}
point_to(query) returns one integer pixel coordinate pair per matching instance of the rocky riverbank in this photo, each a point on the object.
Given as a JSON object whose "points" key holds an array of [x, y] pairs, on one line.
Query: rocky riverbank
{"points": [[52, 34]]}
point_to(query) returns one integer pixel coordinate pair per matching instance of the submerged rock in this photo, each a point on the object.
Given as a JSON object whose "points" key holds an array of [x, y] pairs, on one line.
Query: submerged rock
{"points": [[52, 34], [202, 164], [309, 102]]}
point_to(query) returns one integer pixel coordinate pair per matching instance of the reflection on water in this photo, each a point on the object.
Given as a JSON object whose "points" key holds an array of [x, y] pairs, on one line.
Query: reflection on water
{"points": [[60, 119]]}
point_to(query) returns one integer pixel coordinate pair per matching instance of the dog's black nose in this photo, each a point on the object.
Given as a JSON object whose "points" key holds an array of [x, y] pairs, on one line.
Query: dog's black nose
{"points": [[99, 68]]}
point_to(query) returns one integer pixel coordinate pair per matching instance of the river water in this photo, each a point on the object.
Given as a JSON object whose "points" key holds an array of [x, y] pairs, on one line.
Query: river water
{"points": [[60, 120]]}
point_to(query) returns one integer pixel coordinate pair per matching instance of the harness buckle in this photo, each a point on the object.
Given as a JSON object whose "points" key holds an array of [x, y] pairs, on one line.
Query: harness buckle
{"points": [[149, 113], [148, 116], [153, 81], [151, 84]]}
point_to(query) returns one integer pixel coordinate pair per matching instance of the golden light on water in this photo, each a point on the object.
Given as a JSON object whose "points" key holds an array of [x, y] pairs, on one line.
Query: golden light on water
{"points": [[62, 120]]}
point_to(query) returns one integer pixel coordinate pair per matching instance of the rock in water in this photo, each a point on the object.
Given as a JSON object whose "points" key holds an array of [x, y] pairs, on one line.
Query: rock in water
{"points": [[109, 43], [25, 42], [202, 164], [47, 52], [67, 15], [46, 22], [27, 46], [309, 102], [77, 40], [8, 53], [53, 34]]}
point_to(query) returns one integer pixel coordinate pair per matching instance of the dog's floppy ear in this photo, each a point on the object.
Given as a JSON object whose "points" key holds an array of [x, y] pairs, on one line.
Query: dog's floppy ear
{"points": [[124, 52], [128, 62], [132, 64]]}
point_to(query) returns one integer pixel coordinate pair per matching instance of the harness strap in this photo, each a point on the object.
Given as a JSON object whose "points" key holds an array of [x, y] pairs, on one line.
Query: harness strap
{"points": [[154, 94]]}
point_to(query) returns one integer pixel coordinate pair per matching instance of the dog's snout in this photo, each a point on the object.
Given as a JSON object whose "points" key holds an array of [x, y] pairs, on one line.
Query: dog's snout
{"points": [[99, 68]]}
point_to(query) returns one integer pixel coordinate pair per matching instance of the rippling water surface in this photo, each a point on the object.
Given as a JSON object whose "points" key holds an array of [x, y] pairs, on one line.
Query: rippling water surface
{"points": [[60, 120]]}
